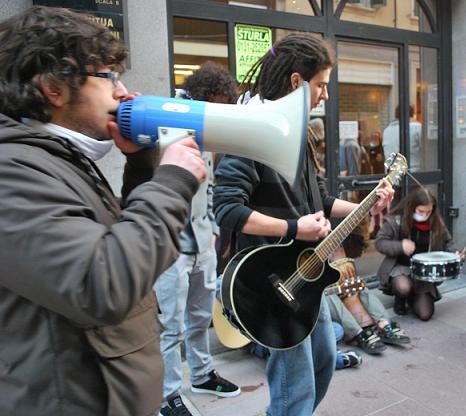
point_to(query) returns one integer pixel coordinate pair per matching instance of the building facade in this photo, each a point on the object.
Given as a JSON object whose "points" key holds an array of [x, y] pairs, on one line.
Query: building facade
{"points": [[400, 63]]}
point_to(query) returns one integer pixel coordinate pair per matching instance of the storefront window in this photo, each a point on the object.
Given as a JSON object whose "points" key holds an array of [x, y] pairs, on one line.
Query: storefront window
{"points": [[423, 97], [305, 7], [368, 86], [401, 14], [196, 41]]}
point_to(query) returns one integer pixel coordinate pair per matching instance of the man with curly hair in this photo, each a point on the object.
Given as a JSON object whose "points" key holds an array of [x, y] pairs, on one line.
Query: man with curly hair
{"points": [[186, 291], [77, 313]]}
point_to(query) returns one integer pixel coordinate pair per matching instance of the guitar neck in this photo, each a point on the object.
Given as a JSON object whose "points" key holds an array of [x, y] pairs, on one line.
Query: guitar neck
{"points": [[343, 230]]}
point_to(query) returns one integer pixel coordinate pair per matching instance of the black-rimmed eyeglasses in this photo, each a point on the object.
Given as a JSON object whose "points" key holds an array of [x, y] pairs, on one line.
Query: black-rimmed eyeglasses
{"points": [[113, 76]]}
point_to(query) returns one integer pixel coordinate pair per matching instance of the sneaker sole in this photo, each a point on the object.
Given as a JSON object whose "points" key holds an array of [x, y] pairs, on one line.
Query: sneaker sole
{"points": [[217, 393], [395, 342]]}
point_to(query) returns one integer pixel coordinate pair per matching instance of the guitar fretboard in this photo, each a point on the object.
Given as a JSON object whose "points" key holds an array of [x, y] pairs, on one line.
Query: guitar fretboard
{"points": [[337, 236]]}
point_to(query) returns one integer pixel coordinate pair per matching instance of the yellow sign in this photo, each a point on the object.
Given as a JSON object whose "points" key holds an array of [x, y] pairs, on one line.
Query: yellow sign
{"points": [[251, 43]]}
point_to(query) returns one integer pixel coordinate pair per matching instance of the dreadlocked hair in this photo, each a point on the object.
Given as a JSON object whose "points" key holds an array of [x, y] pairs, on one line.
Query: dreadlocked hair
{"points": [[54, 46], [303, 53]]}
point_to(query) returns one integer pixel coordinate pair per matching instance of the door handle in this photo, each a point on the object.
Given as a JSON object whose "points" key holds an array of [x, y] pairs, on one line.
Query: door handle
{"points": [[356, 182]]}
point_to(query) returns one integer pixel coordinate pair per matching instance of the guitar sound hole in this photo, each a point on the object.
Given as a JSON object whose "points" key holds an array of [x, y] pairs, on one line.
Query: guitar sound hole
{"points": [[309, 265]]}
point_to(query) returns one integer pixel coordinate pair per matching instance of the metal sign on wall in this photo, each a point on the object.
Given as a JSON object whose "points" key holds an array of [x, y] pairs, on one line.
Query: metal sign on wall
{"points": [[108, 13], [251, 43]]}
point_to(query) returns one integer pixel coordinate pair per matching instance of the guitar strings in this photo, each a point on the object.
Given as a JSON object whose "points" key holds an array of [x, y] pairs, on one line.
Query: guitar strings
{"points": [[295, 281]]}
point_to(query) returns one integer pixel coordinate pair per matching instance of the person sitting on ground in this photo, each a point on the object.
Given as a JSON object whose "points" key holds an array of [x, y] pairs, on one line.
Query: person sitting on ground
{"points": [[413, 226], [363, 316], [348, 358]]}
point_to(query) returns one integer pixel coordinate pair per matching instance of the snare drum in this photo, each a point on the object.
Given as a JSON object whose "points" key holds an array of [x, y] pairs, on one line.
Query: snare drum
{"points": [[435, 266]]}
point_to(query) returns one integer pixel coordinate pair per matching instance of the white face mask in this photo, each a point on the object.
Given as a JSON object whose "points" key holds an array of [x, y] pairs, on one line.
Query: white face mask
{"points": [[420, 218]]}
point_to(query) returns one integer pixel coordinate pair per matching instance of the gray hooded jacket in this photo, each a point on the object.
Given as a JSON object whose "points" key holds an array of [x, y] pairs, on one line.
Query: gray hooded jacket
{"points": [[78, 334]]}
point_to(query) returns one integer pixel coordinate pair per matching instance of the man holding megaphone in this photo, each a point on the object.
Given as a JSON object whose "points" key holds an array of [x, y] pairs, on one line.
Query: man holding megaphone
{"points": [[257, 203], [78, 316]]}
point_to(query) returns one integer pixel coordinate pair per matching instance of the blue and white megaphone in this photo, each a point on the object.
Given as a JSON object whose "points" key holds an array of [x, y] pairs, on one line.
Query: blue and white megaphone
{"points": [[274, 133]]}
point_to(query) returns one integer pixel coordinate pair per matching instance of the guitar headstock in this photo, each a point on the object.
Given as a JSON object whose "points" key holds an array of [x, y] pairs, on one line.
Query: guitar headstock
{"points": [[351, 286], [396, 166]]}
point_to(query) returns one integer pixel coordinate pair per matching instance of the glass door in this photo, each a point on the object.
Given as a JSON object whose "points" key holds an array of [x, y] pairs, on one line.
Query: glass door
{"points": [[368, 85]]}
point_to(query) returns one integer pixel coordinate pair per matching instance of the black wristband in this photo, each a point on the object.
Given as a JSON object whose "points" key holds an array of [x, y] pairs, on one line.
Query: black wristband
{"points": [[292, 229]]}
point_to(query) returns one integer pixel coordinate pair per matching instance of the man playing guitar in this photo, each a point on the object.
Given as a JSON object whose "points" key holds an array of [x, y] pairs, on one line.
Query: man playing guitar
{"points": [[256, 202]]}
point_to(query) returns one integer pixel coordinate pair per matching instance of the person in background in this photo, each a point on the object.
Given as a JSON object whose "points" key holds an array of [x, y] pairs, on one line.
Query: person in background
{"points": [[375, 151], [413, 226], [373, 337], [186, 291], [391, 138], [316, 138], [259, 206], [362, 315], [79, 334], [348, 358]]}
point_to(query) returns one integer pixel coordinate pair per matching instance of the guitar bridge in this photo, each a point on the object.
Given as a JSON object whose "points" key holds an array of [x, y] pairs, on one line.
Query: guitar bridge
{"points": [[283, 293]]}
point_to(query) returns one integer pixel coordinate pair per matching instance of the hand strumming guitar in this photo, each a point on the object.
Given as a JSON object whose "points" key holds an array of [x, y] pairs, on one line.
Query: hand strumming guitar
{"points": [[313, 227]]}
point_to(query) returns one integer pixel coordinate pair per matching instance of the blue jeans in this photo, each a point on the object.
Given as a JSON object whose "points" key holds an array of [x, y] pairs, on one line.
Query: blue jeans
{"points": [[298, 378], [186, 293], [339, 334], [338, 330]]}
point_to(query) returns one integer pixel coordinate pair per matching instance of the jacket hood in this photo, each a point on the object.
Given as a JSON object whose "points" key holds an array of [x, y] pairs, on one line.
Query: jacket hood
{"points": [[11, 131]]}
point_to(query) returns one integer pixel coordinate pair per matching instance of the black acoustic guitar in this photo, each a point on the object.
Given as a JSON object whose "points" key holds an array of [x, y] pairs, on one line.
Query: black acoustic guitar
{"points": [[272, 293]]}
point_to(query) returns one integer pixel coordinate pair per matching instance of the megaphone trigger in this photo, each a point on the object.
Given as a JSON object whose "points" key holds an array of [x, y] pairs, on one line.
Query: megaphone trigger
{"points": [[274, 133]]}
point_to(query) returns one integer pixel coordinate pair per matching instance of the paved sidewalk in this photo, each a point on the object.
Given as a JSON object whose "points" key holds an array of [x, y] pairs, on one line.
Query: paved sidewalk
{"points": [[428, 378]]}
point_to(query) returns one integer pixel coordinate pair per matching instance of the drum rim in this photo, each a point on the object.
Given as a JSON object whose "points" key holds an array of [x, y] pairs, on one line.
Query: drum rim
{"points": [[453, 258], [435, 280]]}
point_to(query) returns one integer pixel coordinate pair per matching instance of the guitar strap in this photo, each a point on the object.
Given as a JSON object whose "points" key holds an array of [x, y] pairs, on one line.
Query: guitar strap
{"points": [[312, 185]]}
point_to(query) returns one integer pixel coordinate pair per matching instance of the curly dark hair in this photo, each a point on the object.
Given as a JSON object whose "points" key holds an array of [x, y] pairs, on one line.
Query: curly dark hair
{"points": [[53, 45], [297, 52], [211, 80]]}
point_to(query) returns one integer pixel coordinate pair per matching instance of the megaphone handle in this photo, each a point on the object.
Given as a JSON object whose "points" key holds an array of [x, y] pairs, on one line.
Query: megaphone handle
{"points": [[169, 135]]}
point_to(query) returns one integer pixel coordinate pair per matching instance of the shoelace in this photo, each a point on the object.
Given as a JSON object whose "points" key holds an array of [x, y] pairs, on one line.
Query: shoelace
{"points": [[393, 331], [372, 339], [398, 332], [178, 402], [180, 407]]}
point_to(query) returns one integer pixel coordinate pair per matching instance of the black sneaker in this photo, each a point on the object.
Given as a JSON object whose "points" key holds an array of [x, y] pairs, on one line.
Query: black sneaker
{"points": [[370, 342], [399, 306], [393, 334], [351, 359], [175, 407], [217, 385]]}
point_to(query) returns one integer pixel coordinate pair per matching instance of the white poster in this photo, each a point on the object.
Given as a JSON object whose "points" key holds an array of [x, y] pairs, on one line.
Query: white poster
{"points": [[461, 117], [348, 130]]}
